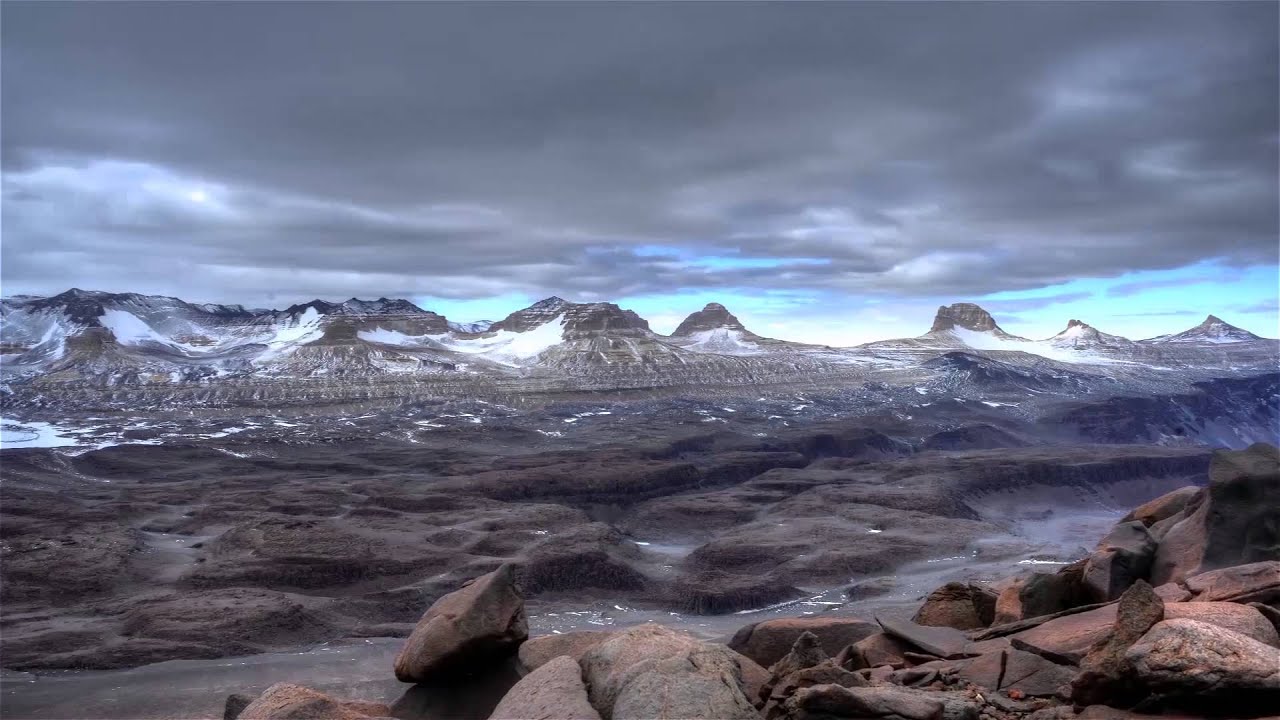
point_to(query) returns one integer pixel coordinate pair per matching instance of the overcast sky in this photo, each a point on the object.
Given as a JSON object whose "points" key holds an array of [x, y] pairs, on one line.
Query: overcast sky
{"points": [[831, 172]]}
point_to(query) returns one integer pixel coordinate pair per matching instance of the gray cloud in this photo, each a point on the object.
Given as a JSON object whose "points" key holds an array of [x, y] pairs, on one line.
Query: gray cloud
{"points": [[246, 152], [1266, 307], [1033, 303]]}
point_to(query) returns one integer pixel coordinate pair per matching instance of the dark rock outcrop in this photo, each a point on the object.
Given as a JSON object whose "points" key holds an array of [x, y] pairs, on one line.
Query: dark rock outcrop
{"points": [[1123, 556], [769, 641], [1237, 523]]}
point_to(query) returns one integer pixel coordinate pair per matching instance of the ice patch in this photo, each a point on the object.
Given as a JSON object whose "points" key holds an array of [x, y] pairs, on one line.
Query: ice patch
{"points": [[14, 434], [287, 338], [721, 341], [506, 347], [389, 337]]}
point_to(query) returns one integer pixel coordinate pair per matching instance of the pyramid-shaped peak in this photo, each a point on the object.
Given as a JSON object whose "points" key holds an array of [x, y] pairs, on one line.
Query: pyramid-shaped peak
{"points": [[713, 316], [963, 315], [533, 316]]}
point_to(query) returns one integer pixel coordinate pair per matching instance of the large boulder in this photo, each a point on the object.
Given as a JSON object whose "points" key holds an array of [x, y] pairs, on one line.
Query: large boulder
{"points": [[1123, 556], [466, 631], [805, 666], [767, 642], [1105, 674], [1255, 582], [534, 652], [1034, 676], [285, 701], [650, 671], [1069, 639], [1237, 523], [1196, 665], [952, 605], [889, 703], [1163, 507], [943, 642], [1036, 595], [554, 691], [879, 649]]}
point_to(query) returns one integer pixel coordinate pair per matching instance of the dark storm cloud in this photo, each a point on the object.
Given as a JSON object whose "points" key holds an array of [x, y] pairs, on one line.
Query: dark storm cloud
{"points": [[246, 151]]}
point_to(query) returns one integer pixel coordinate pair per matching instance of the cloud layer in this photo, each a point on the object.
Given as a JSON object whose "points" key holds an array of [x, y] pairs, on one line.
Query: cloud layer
{"points": [[265, 153]]}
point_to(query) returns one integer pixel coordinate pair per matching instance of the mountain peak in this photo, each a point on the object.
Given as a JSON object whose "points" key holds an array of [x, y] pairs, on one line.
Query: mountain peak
{"points": [[713, 316], [1213, 330], [963, 315], [533, 316]]}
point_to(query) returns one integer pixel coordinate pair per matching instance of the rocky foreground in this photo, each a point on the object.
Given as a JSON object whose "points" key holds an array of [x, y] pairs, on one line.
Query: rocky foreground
{"points": [[1176, 613]]}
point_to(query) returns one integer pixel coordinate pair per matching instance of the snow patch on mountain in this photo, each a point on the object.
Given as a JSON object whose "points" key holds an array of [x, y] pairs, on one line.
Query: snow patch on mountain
{"points": [[722, 341], [129, 329], [383, 336], [978, 340], [477, 326], [286, 338], [508, 347]]}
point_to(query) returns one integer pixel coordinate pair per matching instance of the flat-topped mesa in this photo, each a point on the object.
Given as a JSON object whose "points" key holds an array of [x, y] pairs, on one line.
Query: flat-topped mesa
{"points": [[342, 322], [596, 318], [712, 317], [536, 315], [966, 316]]}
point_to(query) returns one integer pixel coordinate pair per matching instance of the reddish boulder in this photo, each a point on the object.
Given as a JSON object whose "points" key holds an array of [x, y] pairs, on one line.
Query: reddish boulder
{"points": [[1255, 582], [951, 605], [536, 651], [285, 701], [1034, 676], [554, 691], [1068, 639], [1195, 665], [941, 642], [467, 630], [879, 649], [649, 671], [1165, 506]]}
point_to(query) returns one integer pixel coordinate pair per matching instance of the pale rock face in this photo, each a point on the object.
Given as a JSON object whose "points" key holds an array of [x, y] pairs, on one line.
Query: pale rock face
{"points": [[963, 315]]}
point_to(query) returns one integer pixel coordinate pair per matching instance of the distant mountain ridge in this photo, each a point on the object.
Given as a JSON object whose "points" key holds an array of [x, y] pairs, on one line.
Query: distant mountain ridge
{"points": [[108, 341]]}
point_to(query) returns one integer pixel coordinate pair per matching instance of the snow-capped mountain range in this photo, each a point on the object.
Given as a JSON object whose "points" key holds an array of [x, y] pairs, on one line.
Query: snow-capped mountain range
{"points": [[121, 343]]}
